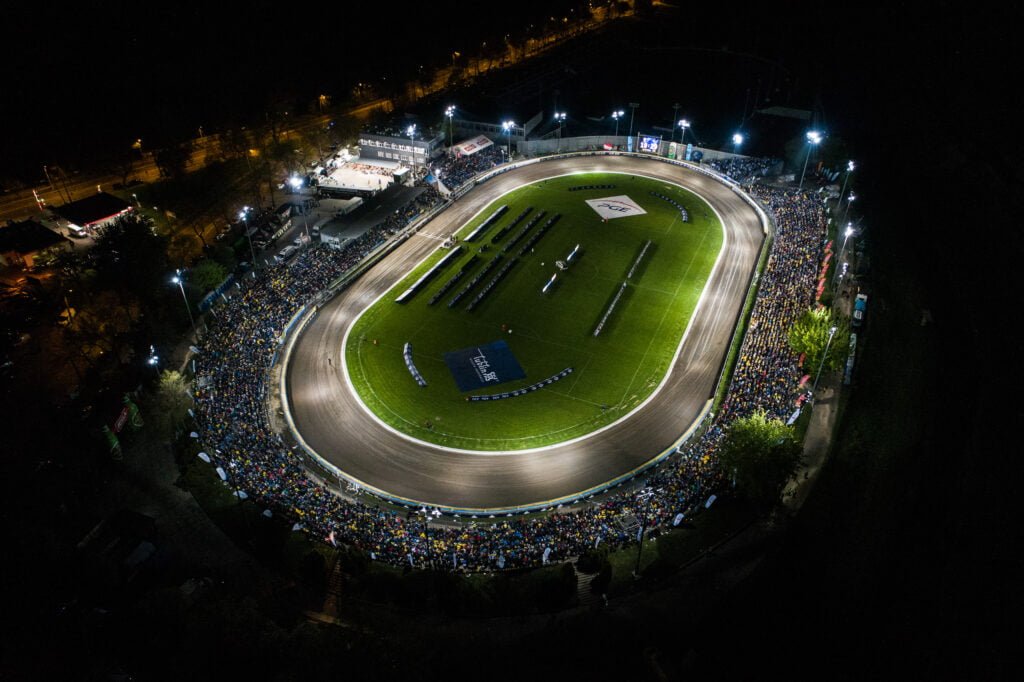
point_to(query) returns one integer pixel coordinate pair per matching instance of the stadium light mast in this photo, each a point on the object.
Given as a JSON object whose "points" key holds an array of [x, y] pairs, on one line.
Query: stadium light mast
{"points": [[632, 113], [181, 285], [831, 333], [450, 112], [244, 216], [675, 117], [617, 115], [850, 167], [813, 138], [683, 124], [507, 127], [560, 117], [737, 140]]}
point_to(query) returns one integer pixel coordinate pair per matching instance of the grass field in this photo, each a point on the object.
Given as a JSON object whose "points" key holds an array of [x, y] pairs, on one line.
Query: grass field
{"points": [[613, 373]]}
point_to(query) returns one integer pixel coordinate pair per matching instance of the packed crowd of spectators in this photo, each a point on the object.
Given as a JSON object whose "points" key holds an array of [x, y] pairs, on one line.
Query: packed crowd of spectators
{"points": [[744, 169], [232, 389], [455, 172]]}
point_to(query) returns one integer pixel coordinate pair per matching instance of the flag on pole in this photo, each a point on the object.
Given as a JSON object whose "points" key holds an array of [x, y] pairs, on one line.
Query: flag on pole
{"points": [[330, 539]]}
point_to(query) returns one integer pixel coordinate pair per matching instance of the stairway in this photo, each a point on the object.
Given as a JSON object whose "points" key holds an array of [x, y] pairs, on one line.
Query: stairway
{"points": [[584, 595]]}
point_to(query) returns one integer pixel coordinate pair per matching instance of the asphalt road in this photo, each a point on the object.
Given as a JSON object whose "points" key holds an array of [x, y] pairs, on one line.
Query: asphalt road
{"points": [[331, 422]]}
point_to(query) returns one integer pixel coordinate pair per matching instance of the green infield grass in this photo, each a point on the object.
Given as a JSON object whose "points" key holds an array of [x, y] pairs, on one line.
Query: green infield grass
{"points": [[547, 332]]}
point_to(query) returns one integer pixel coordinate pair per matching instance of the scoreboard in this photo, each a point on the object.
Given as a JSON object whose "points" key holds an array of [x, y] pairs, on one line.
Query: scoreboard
{"points": [[649, 143]]}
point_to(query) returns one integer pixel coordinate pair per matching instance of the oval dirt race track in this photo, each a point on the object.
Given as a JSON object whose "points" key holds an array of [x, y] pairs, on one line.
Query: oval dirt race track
{"points": [[333, 424]]}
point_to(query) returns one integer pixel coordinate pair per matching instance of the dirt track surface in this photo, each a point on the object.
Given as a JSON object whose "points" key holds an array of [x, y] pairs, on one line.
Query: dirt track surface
{"points": [[331, 421]]}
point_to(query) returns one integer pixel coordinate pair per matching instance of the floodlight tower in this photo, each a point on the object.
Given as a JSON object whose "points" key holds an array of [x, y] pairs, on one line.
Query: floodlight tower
{"points": [[617, 115], [813, 139], [450, 113], [507, 126], [737, 140], [683, 124]]}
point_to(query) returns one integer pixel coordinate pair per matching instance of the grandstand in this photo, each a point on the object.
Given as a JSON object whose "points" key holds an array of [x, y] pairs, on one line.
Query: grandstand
{"points": [[231, 380]]}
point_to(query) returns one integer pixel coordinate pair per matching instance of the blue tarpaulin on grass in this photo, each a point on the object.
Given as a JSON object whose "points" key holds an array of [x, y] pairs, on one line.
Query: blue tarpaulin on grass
{"points": [[481, 366]]}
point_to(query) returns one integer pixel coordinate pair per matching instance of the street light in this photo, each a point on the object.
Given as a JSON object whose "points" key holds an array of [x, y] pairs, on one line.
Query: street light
{"points": [[244, 215], [181, 285], [846, 236], [507, 127], [450, 113], [813, 138], [849, 200], [295, 182], [617, 115], [560, 117], [737, 140], [643, 497], [849, 169], [814, 387], [153, 360], [684, 124]]}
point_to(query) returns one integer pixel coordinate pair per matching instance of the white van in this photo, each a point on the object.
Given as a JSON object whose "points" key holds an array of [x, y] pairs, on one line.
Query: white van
{"points": [[286, 253]]}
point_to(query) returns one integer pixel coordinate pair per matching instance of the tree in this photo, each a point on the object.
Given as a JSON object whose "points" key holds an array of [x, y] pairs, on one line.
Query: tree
{"points": [[760, 454], [235, 144], [125, 163], [169, 402], [130, 259], [173, 161], [809, 335], [223, 254], [207, 274]]}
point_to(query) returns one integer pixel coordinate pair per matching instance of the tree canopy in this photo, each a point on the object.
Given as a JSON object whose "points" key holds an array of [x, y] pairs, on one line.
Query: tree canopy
{"points": [[810, 333], [760, 454]]}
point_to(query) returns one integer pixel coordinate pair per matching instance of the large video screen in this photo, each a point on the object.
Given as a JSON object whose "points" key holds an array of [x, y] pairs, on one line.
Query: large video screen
{"points": [[650, 143]]}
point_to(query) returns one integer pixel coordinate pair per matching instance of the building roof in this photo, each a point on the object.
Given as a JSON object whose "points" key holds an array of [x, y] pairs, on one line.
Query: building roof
{"points": [[93, 209], [27, 236]]}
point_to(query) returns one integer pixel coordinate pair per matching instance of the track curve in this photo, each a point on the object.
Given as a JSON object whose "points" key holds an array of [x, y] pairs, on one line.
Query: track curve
{"points": [[329, 420]]}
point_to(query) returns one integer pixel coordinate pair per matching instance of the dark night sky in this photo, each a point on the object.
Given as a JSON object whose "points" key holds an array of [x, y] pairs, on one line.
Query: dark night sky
{"points": [[101, 76], [93, 77]]}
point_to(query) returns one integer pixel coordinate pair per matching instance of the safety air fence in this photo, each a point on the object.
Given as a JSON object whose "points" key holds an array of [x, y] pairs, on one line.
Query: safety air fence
{"points": [[429, 275], [485, 225]]}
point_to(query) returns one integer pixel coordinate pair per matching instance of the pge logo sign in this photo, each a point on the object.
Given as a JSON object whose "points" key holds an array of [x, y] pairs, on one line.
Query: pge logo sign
{"points": [[615, 207]]}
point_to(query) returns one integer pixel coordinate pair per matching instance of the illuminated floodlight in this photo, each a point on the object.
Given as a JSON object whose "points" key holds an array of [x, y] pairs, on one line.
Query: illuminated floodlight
{"points": [[814, 137], [737, 139], [295, 182]]}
